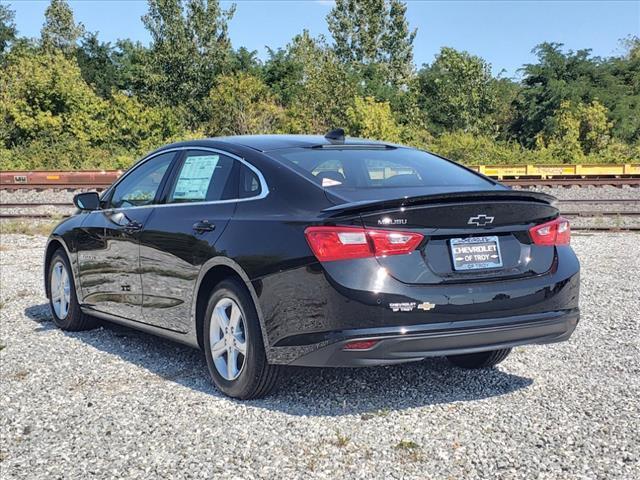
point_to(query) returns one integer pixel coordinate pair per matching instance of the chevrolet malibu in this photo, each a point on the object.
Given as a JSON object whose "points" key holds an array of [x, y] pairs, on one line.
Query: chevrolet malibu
{"points": [[267, 251]]}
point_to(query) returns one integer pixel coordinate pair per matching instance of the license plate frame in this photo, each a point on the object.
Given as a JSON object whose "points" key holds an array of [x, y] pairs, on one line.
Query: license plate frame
{"points": [[466, 259]]}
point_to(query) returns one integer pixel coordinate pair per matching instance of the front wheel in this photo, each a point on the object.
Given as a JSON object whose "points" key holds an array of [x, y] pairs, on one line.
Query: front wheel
{"points": [[480, 359], [63, 302], [233, 344]]}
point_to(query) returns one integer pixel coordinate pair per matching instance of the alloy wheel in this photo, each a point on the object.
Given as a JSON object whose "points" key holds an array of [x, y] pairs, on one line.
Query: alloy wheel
{"points": [[228, 338], [60, 290]]}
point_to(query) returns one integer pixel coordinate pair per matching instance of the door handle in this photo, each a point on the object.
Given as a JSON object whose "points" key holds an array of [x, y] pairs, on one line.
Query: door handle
{"points": [[203, 226], [133, 227]]}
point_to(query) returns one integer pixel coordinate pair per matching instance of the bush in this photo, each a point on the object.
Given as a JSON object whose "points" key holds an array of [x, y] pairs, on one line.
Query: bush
{"points": [[477, 149], [482, 150]]}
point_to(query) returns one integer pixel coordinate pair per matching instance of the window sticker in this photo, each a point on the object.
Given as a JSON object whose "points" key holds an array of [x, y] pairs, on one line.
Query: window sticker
{"points": [[195, 177]]}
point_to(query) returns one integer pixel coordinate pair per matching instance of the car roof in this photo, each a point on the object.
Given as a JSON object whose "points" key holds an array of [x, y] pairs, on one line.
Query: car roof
{"points": [[266, 143]]}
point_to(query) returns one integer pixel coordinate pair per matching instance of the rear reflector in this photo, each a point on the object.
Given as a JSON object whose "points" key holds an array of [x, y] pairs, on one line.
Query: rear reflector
{"points": [[360, 345], [343, 243], [555, 232]]}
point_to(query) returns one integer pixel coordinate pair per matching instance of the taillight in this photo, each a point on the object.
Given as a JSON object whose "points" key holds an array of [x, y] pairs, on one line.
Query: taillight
{"points": [[361, 345], [343, 243], [555, 232]]}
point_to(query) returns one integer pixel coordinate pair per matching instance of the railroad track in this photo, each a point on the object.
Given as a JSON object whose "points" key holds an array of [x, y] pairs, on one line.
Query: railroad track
{"points": [[572, 182], [53, 186], [593, 201], [565, 207], [522, 183]]}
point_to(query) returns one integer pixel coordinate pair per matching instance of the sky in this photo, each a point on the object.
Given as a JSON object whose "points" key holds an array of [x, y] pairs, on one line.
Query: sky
{"points": [[502, 32]]}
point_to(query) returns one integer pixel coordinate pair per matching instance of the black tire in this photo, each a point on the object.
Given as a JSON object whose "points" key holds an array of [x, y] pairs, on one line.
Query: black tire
{"points": [[256, 378], [480, 359], [74, 320]]}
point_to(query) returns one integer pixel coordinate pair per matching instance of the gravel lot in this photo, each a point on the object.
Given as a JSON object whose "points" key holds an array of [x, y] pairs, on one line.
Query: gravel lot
{"points": [[113, 403]]}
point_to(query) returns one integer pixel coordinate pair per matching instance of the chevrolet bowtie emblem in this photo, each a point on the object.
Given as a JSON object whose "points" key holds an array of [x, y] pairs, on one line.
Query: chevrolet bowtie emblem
{"points": [[480, 220], [426, 306]]}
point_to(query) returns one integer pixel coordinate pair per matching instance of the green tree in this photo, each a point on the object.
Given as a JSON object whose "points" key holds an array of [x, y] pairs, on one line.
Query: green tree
{"points": [[576, 130], [595, 127], [370, 119], [563, 143], [44, 95], [283, 72], [53, 119], [458, 92], [131, 126], [577, 77], [620, 91], [189, 47], [242, 104], [95, 59], [474, 149], [60, 32], [135, 70], [244, 60], [374, 35], [504, 113], [7, 28], [314, 86]]}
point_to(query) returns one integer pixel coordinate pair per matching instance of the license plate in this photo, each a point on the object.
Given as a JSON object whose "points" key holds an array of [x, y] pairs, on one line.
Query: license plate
{"points": [[475, 253]]}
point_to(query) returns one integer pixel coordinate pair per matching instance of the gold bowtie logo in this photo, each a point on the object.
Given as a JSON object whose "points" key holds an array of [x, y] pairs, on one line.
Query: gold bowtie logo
{"points": [[426, 306]]}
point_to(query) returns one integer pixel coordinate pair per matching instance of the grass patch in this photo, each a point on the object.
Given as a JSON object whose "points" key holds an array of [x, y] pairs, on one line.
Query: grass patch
{"points": [[19, 375], [28, 227], [341, 440], [411, 450], [383, 412], [407, 445]]}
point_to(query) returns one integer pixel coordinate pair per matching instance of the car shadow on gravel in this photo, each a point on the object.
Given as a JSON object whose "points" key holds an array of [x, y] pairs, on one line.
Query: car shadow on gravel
{"points": [[369, 392]]}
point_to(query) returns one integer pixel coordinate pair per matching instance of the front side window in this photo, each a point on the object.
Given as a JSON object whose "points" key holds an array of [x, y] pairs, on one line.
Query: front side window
{"points": [[140, 187], [203, 176]]}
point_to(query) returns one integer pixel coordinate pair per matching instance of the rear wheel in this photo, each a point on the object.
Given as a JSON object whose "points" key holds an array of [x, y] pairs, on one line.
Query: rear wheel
{"points": [[233, 344], [63, 302], [480, 359]]}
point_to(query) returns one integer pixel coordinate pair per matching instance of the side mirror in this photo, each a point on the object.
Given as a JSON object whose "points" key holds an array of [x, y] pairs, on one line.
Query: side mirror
{"points": [[87, 201]]}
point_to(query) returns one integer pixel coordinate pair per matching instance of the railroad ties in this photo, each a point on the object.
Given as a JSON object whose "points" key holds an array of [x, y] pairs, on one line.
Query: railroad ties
{"points": [[591, 211]]}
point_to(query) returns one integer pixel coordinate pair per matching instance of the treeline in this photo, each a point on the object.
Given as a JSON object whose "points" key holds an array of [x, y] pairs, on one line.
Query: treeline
{"points": [[69, 100]]}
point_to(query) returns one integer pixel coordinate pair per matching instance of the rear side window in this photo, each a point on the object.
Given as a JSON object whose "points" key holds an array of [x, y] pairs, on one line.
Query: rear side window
{"points": [[202, 176], [249, 183], [375, 168]]}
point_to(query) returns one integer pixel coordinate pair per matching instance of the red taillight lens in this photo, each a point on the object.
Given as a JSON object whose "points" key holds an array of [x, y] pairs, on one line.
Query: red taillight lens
{"points": [[555, 232], [360, 345], [343, 243]]}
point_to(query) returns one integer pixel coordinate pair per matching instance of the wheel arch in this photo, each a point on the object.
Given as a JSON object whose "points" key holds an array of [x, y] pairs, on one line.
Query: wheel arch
{"points": [[212, 273], [54, 244]]}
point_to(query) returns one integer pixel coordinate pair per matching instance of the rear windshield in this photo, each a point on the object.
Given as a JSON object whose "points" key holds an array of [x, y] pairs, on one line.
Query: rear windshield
{"points": [[393, 168]]}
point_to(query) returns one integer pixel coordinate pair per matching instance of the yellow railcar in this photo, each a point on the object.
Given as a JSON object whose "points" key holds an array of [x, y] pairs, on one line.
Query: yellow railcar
{"points": [[558, 171]]}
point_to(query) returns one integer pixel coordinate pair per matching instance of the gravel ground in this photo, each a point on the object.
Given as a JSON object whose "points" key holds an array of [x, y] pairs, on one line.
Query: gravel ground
{"points": [[113, 403], [590, 192]]}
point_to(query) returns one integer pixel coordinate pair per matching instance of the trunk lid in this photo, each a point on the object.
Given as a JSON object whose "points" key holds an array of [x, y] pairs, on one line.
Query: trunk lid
{"points": [[473, 225]]}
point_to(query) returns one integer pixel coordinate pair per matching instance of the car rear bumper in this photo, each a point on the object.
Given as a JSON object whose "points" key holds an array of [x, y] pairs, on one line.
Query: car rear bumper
{"points": [[416, 342]]}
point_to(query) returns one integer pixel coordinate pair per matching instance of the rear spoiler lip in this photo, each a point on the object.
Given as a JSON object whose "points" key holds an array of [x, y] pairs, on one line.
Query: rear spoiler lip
{"points": [[515, 195]]}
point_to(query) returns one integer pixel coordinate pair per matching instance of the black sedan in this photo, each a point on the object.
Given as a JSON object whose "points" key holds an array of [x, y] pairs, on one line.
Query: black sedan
{"points": [[266, 251]]}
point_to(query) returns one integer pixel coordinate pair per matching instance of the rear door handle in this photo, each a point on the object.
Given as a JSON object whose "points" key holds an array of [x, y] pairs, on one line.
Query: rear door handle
{"points": [[133, 227], [203, 226]]}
